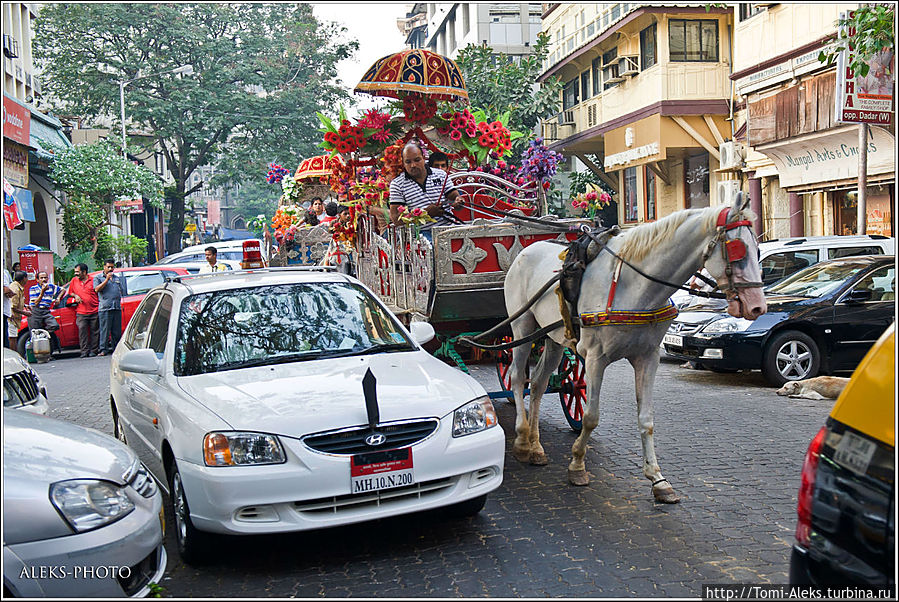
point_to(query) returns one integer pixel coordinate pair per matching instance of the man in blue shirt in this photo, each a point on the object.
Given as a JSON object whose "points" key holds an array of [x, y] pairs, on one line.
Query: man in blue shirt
{"points": [[110, 288], [41, 298]]}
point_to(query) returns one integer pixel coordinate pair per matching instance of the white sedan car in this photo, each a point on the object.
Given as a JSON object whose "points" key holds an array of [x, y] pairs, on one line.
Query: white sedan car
{"points": [[290, 399]]}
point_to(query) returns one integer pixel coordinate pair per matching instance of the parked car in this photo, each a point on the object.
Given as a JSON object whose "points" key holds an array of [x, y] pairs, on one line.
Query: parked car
{"points": [[138, 281], [22, 387], [82, 517], [783, 257], [193, 267], [845, 532], [820, 320], [290, 399], [231, 250]]}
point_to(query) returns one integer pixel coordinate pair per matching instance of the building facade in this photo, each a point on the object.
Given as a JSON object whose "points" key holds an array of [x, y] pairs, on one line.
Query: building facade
{"points": [[29, 139], [506, 28], [799, 159], [646, 92], [414, 26]]}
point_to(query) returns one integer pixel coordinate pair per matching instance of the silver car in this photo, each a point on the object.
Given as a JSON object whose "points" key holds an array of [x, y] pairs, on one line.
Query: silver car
{"points": [[81, 515], [22, 387]]}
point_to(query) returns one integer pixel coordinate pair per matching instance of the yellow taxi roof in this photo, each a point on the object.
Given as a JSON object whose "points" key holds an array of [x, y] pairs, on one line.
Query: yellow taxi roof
{"points": [[867, 404]]}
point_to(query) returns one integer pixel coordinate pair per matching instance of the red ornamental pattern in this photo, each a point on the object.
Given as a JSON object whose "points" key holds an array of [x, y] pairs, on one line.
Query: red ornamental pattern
{"points": [[315, 167], [414, 70]]}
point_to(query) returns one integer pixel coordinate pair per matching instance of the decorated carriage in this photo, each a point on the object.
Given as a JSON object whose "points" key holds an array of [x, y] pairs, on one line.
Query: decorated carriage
{"points": [[454, 282]]}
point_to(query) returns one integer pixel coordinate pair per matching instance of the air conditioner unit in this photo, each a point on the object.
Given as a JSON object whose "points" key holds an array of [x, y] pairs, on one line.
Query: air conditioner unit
{"points": [[732, 154], [566, 118], [10, 46], [610, 73], [628, 65], [727, 192]]}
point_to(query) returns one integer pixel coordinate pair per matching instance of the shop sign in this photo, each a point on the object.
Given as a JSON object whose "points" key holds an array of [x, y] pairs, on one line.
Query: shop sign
{"points": [[830, 157], [130, 205], [15, 164], [866, 99], [16, 121], [631, 154]]}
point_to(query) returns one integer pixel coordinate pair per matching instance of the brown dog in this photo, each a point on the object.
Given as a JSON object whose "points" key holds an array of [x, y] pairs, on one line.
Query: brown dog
{"points": [[820, 387]]}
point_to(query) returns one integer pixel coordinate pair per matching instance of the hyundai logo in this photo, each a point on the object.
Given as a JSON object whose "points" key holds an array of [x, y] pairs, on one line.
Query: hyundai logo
{"points": [[375, 439]]}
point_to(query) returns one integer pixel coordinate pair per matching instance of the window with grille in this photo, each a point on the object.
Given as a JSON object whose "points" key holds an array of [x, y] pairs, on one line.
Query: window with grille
{"points": [[648, 51], [750, 10], [570, 94], [693, 41], [585, 85], [597, 74]]}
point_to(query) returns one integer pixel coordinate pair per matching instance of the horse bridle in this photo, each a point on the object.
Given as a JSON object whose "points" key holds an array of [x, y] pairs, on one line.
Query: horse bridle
{"points": [[732, 251]]}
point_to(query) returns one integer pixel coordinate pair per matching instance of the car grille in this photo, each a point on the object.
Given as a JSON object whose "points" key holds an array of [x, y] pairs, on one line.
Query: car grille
{"points": [[20, 388], [139, 575], [360, 501], [684, 329], [352, 440]]}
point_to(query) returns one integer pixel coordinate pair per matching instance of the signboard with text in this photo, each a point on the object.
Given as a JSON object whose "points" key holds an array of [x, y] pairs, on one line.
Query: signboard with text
{"points": [[16, 121], [866, 99]]}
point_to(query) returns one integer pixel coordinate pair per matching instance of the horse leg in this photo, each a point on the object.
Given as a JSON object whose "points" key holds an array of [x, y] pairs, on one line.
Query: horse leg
{"points": [[644, 374], [549, 361], [517, 372], [595, 367]]}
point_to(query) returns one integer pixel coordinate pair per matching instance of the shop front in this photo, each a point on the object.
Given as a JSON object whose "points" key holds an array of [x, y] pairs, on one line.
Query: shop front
{"points": [[824, 165]]}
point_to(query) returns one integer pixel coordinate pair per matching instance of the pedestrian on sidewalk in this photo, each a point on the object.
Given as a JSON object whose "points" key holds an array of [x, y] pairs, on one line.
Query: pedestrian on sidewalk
{"points": [[86, 314], [18, 308], [42, 296], [110, 288]]}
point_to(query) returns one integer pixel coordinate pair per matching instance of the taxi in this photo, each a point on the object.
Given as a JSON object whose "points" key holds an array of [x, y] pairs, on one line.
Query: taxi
{"points": [[845, 533]]}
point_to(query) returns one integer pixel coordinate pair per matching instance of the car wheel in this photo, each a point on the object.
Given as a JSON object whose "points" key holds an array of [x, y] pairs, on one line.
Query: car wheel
{"points": [[790, 355], [22, 341], [468, 507], [117, 428], [192, 543]]}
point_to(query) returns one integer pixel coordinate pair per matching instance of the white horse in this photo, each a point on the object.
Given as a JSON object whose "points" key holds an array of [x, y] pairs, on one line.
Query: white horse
{"points": [[671, 249]]}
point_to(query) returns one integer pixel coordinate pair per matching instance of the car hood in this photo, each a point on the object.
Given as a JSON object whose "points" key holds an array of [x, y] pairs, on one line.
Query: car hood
{"points": [[13, 362], [39, 451], [777, 304], [306, 397]]}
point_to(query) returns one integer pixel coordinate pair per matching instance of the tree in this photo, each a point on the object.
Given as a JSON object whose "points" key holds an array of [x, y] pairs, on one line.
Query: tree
{"points": [[254, 199], [497, 83], [867, 31], [94, 176], [261, 71]]}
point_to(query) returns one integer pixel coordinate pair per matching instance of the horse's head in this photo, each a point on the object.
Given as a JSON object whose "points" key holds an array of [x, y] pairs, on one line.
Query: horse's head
{"points": [[732, 258]]}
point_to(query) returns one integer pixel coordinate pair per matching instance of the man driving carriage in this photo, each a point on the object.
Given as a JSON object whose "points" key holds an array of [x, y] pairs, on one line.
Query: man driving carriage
{"points": [[420, 186]]}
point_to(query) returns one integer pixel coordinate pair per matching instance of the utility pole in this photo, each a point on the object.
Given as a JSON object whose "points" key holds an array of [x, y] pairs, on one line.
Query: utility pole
{"points": [[862, 217]]}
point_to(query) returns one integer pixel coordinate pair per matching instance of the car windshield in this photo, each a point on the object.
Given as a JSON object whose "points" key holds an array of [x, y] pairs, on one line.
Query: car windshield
{"points": [[240, 328], [817, 280]]}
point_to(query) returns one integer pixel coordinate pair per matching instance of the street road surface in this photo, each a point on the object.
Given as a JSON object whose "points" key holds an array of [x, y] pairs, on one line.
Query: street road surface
{"points": [[731, 448]]}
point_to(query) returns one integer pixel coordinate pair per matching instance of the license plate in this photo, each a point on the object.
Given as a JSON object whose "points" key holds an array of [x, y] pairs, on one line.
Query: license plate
{"points": [[674, 340], [854, 452], [379, 470]]}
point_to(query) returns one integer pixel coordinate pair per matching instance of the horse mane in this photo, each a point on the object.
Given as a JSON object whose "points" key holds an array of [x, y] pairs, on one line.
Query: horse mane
{"points": [[640, 240]]}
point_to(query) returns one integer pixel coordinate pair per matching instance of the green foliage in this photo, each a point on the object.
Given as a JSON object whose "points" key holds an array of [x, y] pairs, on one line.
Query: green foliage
{"points": [[254, 199], [129, 249], [261, 71], [99, 174], [866, 33], [83, 228], [156, 590], [498, 83], [64, 267], [578, 181]]}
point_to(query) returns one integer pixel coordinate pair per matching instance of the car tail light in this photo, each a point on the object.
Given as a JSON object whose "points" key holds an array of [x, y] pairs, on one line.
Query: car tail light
{"points": [[252, 255], [807, 488]]}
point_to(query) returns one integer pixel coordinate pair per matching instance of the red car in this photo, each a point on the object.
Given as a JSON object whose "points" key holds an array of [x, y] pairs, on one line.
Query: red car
{"points": [[138, 282]]}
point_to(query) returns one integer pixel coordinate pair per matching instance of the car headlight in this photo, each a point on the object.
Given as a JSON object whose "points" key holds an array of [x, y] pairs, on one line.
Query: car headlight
{"points": [[242, 449], [474, 417], [88, 504], [728, 325]]}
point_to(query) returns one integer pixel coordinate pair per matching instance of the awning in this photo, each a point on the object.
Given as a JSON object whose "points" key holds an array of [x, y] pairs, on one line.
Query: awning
{"points": [[46, 136], [831, 156]]}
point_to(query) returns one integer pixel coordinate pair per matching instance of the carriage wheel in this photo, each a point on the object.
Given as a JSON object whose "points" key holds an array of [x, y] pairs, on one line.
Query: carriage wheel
{"points": [[573, 389]]}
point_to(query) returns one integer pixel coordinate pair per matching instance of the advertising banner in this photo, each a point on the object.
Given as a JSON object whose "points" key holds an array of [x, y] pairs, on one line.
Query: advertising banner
{"points": [[16, 122], [866, 99]]}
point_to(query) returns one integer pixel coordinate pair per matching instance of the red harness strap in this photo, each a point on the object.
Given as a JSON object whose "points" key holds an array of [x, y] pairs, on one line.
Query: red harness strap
{"points": [[633, 318], [723, 223]]}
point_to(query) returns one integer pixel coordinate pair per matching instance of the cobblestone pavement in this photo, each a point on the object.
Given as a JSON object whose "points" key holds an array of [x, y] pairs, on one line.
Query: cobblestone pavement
{"points": [[732, 449]]}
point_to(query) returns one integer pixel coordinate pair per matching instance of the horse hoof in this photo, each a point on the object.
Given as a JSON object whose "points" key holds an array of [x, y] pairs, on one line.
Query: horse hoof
{"points": [[665, 495], [578, 477], [538, 459], [522, 455]]}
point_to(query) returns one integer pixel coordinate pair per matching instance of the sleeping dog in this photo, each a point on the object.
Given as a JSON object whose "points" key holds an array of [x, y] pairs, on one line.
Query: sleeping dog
{"points": [[820, 387]]}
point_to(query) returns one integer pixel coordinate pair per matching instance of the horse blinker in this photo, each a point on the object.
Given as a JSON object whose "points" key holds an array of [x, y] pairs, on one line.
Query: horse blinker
{"points": [[735, 249]]}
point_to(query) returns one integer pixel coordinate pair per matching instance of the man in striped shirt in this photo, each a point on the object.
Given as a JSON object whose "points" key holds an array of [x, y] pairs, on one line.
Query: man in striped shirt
{"points": [[424, 187]]}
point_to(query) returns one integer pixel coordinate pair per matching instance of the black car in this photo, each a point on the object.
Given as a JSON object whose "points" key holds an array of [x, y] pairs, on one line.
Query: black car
{"points": [[821, 319]]}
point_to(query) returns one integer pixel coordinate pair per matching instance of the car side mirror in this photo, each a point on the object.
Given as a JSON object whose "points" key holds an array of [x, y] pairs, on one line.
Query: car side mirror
{"points": [[859, 295], [69, 301], [140, 361], [422, 332]]}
